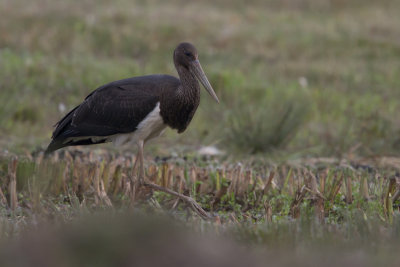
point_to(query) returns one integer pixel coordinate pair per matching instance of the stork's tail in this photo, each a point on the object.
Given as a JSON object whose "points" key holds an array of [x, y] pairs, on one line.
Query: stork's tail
{"points": [[53, 146], [60, 142]]}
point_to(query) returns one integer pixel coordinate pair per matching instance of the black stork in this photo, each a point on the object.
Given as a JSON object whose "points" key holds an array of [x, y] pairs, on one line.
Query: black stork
{"points": [[135, 110]]}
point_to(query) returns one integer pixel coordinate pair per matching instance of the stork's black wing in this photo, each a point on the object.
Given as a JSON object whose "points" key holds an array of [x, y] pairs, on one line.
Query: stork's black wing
{"points": [[114, 108]]}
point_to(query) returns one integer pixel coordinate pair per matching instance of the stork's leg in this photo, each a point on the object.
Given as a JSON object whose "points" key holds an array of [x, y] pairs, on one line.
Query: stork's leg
{"points": [[133, 185], [141, 166], [133, 173]]}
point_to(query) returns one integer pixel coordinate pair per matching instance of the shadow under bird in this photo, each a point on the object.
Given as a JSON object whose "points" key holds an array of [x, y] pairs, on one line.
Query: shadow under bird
{"points": [[135, 110]]}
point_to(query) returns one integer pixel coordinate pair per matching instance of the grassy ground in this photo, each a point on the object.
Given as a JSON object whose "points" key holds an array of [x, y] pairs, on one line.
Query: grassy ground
{"points": [[309, 105], [346, 211], [333, 65]]}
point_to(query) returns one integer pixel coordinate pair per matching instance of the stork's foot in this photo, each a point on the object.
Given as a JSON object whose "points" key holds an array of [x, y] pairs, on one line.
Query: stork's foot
{"points": [[193, 204]]}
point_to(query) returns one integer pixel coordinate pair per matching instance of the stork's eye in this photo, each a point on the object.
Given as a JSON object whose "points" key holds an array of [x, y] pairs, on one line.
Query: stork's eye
{"points": [[188, 54]]}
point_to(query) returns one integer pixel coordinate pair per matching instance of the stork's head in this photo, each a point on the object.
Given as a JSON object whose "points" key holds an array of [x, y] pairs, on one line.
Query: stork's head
{"points": [[185, 55]]}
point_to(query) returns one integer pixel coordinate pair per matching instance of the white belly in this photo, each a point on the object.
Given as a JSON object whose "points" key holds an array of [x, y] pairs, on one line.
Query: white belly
{"points": [[152, 126]]}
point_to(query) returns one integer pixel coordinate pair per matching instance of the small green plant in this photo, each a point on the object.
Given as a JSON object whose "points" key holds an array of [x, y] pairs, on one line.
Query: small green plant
{"points": [[268, 122]]}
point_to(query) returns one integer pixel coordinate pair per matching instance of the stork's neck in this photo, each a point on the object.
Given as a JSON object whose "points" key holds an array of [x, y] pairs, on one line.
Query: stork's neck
{"points": [[189, 91], [178, 105]]}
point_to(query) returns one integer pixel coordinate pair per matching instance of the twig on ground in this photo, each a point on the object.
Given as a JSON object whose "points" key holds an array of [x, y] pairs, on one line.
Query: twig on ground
{"points": [[12, 170], [193, 204]]}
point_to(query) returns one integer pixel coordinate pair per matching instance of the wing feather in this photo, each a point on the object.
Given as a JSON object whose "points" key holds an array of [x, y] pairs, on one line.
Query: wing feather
{"points": [[114, 108], [112, 111]]}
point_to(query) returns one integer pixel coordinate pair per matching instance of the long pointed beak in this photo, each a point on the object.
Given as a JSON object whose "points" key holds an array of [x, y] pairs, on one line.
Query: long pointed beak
{"points": [[197, 70]]}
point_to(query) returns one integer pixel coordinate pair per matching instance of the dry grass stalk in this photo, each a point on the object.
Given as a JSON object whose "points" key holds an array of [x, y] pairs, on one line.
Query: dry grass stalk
{"points": [[322, 181], [220, 177], [218, 195], [364, 188], [116, 181], [164, 174], [105, 176], [39, 159], [317, 198], [320, 209], [96, 183], [289, 175], [170, 178], [103, 195], [349, 194], [260, 182], [313, 183], [268, 211], [3, 199], [243, 183], [248, 176], [388, 203], [295, 177], [201, 179], [180, 183], [83, 172], [236, 178], [335, 187], [55, 157], [175, 204], [12, 174], [127, 188], [396, 195], [280, 177], [269, 183], [204, 187], [208, 186], [195, 179], [380, 189], [152, 173], [295, 206], [254, 182], [193, 175], [230, 176], [234, 219], [75, 176], [338, 186], [65, 177]]}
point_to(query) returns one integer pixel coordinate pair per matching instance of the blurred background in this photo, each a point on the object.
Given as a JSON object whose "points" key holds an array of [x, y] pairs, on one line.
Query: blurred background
{"points": [[309, 94], [301, 77]]}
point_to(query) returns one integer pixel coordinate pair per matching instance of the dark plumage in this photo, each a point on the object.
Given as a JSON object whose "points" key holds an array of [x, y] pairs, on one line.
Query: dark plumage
{"points": [[119, 107]]}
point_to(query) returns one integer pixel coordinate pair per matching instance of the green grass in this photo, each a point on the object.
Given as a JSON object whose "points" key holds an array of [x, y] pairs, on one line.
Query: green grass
{"points": [[347, 53]]}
